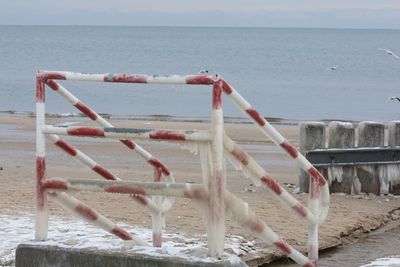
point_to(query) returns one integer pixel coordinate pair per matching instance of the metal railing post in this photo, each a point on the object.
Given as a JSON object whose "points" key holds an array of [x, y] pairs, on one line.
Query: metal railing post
{"points": [[41, 222]]}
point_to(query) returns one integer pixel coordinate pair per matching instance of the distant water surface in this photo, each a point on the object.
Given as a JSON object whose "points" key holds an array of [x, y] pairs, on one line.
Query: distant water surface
{"points": [[282, 72]]}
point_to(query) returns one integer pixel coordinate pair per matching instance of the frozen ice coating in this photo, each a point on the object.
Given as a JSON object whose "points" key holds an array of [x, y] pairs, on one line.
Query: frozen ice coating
{"points": [[335, 173], [211, 198], [389, 176], [390, 261]]}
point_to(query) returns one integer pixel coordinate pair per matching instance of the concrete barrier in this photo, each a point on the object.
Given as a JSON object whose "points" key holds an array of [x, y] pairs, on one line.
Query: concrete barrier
{"points": [[354, 163], [28, 255]]}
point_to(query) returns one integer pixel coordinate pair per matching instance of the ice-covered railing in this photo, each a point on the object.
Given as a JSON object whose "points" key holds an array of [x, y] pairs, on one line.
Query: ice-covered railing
{"points": [[212, 197]]}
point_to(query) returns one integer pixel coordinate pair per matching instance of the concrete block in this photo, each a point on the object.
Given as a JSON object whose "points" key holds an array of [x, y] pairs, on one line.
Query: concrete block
{"points": [[341, 135], [370, 134], [32, 255], [394, 133], [312, 136]]}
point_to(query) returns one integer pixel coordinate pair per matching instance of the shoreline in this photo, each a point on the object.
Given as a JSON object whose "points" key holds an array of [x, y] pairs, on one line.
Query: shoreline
{"points": [[152, 117], [349, 216]]}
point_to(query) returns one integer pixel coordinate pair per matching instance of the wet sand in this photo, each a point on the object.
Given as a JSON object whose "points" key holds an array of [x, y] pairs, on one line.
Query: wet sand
{"points": [[349, 217]]}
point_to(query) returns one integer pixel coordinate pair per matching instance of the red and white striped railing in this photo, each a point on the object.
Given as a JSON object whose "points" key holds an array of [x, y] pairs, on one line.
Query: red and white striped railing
{"points": [[158, 196]]}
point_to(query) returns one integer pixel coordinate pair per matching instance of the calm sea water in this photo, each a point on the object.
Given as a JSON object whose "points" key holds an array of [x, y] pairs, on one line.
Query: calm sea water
{"points": [[282, 72]]}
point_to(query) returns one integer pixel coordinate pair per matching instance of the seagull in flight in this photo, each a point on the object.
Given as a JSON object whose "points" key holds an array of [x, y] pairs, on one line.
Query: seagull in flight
{"points": [[333, 68], [394, 98], [390, 53]]}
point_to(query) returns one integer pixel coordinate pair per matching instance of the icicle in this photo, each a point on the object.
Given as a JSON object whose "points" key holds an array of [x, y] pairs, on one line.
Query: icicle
{"points": [[335, 173], [389, 176], [356, 186]]}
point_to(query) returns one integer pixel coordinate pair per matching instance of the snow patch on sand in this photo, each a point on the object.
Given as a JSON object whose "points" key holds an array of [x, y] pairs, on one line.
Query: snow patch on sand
{"points": [[390, 261]]}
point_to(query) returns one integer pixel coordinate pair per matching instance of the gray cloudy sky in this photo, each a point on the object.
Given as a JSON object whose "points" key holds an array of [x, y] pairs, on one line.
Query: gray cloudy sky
{"points": [[259, 13]]}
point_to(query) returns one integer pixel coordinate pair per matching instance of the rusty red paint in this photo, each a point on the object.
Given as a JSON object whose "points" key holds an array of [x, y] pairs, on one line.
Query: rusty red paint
{"points": [[199, 79], [52, 184], [240, 155], [121, 233], [300, 209], [157, 174], [167, 135], [124, 189], [218, 176], [256, 225], [86, 212], [40, 173], [290, 149], [217, 95], [129, 143], [283, 246], [86, 110], [66, 147], [125, 78], [141, 199], [309, 264], [226, 87], [272, 184], [40, 95], [104, 172], [196, 192], [315, 189], [53, 75], [159, 165], [52, 84], [256, 116], [157, 240], [86, 131], [317, 175]]}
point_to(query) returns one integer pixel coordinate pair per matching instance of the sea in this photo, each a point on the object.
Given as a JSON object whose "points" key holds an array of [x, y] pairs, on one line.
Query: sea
{"points": [[289, 74], [285, 73]]}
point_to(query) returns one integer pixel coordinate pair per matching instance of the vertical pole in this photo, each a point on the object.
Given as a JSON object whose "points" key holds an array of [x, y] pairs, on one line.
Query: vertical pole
{"points": [[157, 218], [312, 136], [216, 183], [370, 134], [41, 223], [341, 135], [313, 206]]}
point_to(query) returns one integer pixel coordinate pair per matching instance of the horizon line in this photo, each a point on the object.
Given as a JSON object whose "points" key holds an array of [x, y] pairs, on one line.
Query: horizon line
{"points": [[198, 26]]}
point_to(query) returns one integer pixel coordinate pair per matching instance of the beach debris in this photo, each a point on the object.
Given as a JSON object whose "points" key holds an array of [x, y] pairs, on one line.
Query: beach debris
{"points": [[390, 53], [1, 168], [395, 215], [296, 190], [289, 185], [66, 124], [251, 190]]}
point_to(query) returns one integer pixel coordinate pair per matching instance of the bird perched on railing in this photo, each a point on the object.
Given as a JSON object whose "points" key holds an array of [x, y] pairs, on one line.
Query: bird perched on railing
{"points": [[390, 53]]}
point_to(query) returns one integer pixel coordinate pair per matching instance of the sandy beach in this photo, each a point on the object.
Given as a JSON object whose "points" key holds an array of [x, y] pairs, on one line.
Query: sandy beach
{"points": [[349, 218]]}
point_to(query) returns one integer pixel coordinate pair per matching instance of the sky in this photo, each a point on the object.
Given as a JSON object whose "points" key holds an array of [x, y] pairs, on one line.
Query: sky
{"points": [[231, 13]]}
